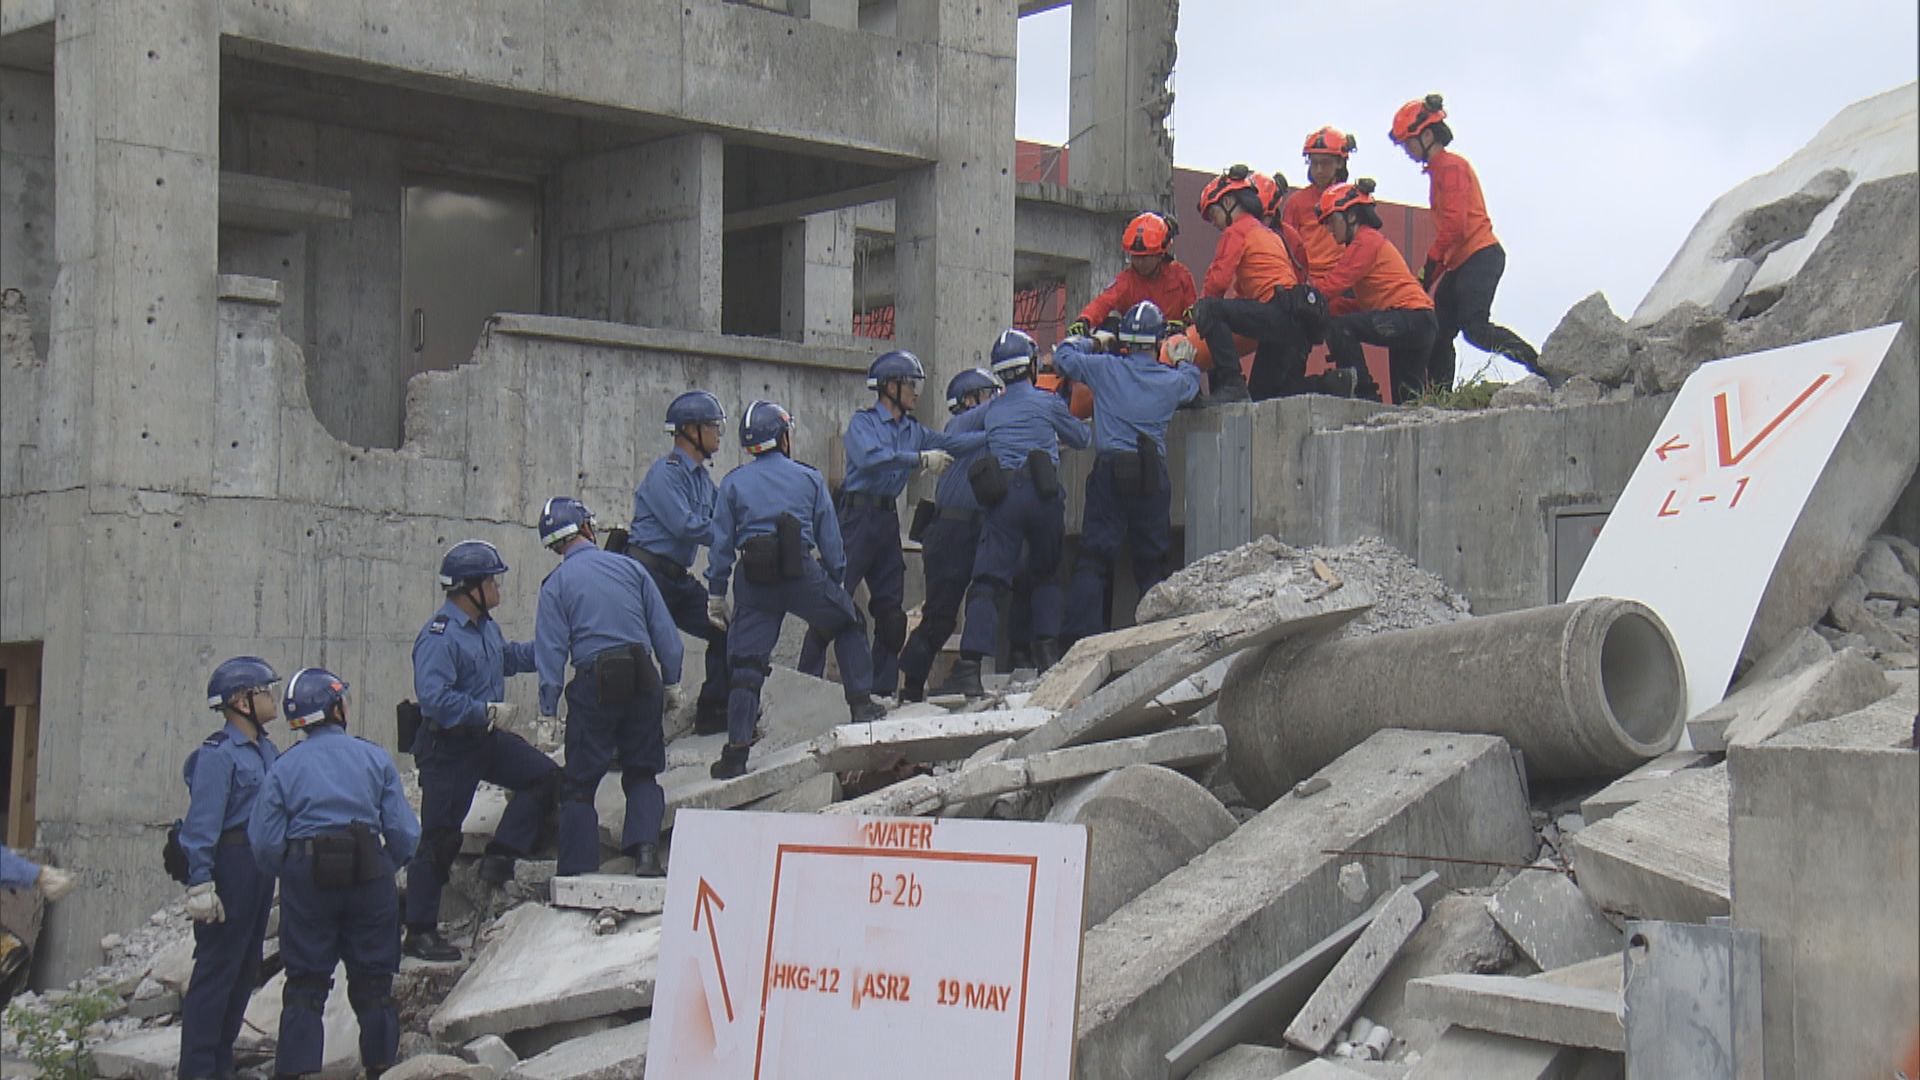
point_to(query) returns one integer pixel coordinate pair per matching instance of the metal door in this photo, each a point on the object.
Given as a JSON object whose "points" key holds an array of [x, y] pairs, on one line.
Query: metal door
{"points": [[468, 249]]}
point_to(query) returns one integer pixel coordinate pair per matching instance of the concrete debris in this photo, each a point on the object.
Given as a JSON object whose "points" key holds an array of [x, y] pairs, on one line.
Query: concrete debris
{"points": [[1640, 784], [693, 788], [340, 1054], [621, 892], [1160, 966], [1801, 649], [1346, 987], [491, 1051], [1591, 342], [149, 1055], [1692, 1001], [1404, 596], [1465, 1054], [619, 1053], [544, 966], [1252, 1062], [1096, 660], [807, 797], [1663, 858], [1885, 574], [1458, 937], [1525, 1008], [948, 737], [1143, 822], [439, 1067], [1839, 684], [1552, 921], [1530, 391]]}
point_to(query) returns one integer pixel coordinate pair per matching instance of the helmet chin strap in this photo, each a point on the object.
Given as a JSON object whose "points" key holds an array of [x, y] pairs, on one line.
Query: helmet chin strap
{"points": [[476, 594], [890, 391]]}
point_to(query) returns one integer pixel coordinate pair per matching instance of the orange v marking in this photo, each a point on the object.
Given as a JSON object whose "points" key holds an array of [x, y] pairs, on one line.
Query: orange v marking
{"points": [[1728, 457]]}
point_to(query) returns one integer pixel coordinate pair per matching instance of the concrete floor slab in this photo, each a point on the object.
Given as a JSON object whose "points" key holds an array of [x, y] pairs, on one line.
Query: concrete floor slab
{"points": [[1525, 1008], [619, 1054], [544, 966], [922, 740], [805, 798], [1552, 921], [1163, 964], [1664, 858], [621, 892]]}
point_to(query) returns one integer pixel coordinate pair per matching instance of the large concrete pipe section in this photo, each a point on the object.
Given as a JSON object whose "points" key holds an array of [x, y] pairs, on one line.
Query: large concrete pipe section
{"points": [[1587, 689]]}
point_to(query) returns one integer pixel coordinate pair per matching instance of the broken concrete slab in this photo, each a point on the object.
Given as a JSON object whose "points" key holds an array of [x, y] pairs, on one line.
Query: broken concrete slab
{"points": [[145, 1055], [1143, 822], [493, 1052], [808, 797], [922, 740], [340, 1052], [1641, 784], [1458, 936], [1525, 1008], [1832, 686], [1328, 1069], [1465, 1054], [1167, 961], [438, 1067], [693, 787], [1552, 921], [1802, 649], [617, 1054], [1885, 574], [1094, 660], [546, 965], [1249, 1061], [1340, 995], [620, 892], [1125, 706], [794, 708], [1664, 858]]}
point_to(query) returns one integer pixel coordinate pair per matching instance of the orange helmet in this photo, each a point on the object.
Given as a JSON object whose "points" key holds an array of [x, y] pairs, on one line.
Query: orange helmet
{"points": [[1270, 193], [1415, 117], [1331, 141], [1148, 234], [1345, 197], [1238, 178]]}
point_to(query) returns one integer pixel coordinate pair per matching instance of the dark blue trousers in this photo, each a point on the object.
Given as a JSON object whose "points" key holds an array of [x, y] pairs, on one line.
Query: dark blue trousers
{"points": [[947, 557], [452, 764], [226, 963], [686, 598], [1114, 520], [758, 611], [598, 736], [872, 538], [320, 928], [1023, 517]]}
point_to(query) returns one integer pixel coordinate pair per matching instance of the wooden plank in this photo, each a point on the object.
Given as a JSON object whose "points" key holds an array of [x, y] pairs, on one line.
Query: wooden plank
{"points": [[21, 662]]}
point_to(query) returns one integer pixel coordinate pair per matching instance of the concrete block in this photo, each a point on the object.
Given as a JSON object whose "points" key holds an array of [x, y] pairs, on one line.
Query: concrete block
{"points": [[1465, 1054], [1164, 963], [1802, 649], [164, 1003], [1552, 921], [144, 1055], [1124, 707], [1339, 997], [693, 788], [1830, 687], [1524, 1008], [1094, 660], [809, 797], [1664, 858], [1692, 1001], [1144, 822], [439, 1067], [1249, 1061], [1641, 784], [948, 737], [621, 892], [617, 1054], [1328, 1069], [492, 1052], [544, 966]]}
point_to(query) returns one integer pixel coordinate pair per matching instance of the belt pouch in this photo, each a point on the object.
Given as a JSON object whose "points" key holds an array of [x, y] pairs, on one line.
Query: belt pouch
{"points": [[793, 549], [1149, 464], [760, 559], [924, 515], [406, 716], [616, 677], [1045, 475], [369, 859], [988, 482], [1126, 473], [334, 857]]}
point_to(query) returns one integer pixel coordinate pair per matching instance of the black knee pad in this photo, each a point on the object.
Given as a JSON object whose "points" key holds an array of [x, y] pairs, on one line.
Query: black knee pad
{"points": [[578, 792], [368, 992], [889, 629], [307, 992], [749, 672], [441, 845]]}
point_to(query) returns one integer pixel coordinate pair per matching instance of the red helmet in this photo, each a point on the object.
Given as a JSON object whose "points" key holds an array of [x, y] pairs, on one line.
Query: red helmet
{"points": [[1270, 193], [1148, 234], [1331, 141], [1238, 178], [1345, 197], [1415, 117]]}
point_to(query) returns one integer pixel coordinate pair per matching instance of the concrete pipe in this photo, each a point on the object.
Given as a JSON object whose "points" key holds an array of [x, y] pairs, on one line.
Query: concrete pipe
{"points": [[1586, 689]]}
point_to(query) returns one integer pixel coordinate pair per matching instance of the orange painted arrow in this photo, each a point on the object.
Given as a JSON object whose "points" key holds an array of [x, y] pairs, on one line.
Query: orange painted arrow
{"points": [[705, 901], [1670, 446], [1722, 423]]}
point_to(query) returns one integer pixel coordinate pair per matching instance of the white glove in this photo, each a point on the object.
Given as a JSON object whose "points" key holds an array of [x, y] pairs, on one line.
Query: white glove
{"points": [[717, 612], [674, 699], [1180, 350], [55, 883], [935, 461], [501, 712], [203, 904], [1105, 339]]}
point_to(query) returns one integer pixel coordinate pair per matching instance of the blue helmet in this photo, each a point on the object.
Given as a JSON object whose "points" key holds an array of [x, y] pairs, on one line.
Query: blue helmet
{"points": [[764, 422], [469, 561], [310, 694], [1142, 324], [970, 381], [237, 674], [1013, 352], [892, 366], [563, 517], [692, 408]]}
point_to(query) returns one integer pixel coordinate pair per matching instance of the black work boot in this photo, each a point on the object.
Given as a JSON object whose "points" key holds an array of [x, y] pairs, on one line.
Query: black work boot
{"points": [[963, 679], [710, 716], [496, 868], [646, 861], [1225, 389], [913, 688], [732, 763], [1046, 653], [428, 945], [865, 710]]}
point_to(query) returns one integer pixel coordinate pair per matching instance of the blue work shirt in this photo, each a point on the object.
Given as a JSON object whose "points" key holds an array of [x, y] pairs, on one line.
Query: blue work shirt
{"points": [[954, 491], [460, 664], [673, 508], [1137, 394], [17, 871], [883, 449], [752, 498], [329, 781], [1026, 418], [595, 601], [223, 778]]}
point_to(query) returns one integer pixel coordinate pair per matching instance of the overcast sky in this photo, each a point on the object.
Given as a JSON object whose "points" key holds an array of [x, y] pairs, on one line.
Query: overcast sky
{"points": [[1600, 131]]}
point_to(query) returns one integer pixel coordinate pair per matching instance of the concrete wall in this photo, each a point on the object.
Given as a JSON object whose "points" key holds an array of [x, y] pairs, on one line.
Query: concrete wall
{"points": [[27, 259]]}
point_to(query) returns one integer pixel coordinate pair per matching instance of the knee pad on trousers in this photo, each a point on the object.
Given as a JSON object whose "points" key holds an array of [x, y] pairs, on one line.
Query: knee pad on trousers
{"points": [[986, 588], [368, 992], [441, 845], [307, 992], [749, 672], [578, 791], [889, 629]]}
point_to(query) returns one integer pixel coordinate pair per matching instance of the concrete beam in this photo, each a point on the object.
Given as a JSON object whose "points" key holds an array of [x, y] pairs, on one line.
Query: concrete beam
{"points": [[1524, 1008], [262, 202]]}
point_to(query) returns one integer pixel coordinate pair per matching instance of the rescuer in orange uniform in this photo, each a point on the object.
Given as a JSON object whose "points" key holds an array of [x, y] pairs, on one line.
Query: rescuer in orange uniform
{"points": [[1151, 273], [1464, 265], [1388, 307], [1273, 306], [1326, 152]]}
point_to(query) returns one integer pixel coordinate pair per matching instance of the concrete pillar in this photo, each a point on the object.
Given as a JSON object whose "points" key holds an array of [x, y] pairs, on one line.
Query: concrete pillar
{"points": [[816, 277], [1117, 97]]}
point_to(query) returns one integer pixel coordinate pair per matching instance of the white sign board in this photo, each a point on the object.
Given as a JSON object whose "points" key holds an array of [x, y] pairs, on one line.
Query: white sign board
{"points": [[798, 947], [1701, 525]]}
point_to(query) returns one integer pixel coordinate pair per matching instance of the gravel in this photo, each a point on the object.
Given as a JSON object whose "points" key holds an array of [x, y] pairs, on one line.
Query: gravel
{"points": [[1404, 596]]}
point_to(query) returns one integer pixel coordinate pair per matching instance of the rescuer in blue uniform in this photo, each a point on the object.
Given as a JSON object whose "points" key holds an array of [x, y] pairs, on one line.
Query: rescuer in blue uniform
{"points": [[332, 821], [604, 612], [1019, 484], [461, 662], [884, 444], [672, 520], [952, 537], [774, 513], [228, 896], [1129, 494]]}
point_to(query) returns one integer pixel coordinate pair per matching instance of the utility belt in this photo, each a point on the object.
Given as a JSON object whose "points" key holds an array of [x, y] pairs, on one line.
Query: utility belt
{"points": [[1136, 472], [851, 499], [659, 564], [621, 674], [776, 557], [926, 512], [345, 858], [234, 837], [990, 482], [173, 857]]}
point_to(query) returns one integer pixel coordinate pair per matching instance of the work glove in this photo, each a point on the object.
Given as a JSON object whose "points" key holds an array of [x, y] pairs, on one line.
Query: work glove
{"points": [[1105, 340], [1175, 328], [673, 700], [203, 904], [935, 462], [1187, 317], [1430, 275], [501, 712], [1179, 350], [1078, 328], [55, 883], [717, 613]]}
